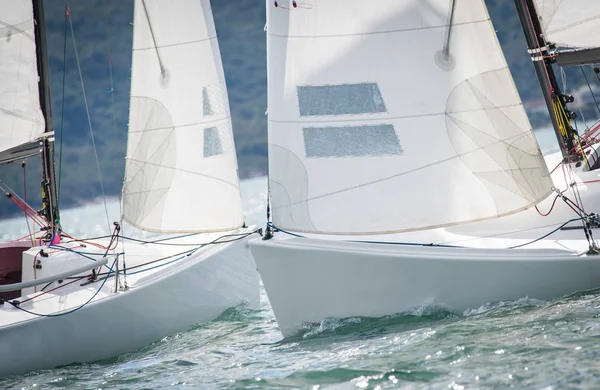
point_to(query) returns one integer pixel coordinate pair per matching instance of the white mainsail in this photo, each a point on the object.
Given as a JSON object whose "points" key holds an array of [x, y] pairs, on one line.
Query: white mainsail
{"points": [[571, 23], [373, 129], [181, 167], [21, 118]]}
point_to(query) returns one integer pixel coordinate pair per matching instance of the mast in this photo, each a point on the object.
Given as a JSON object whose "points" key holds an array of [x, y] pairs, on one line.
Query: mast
{"points": [[539, 49], [49, 192]]}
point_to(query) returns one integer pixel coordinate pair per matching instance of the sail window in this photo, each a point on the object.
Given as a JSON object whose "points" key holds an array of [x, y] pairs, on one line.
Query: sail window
{"points": [[206, 106], [343, 99], [351, 141], [212, 142]]}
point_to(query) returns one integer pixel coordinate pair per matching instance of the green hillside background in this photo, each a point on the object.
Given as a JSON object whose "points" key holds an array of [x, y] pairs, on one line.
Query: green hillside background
{"points": [[239, 26]]}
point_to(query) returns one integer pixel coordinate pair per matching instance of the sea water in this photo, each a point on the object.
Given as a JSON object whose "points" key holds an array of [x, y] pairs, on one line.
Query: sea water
{"points": [[521, 344]]}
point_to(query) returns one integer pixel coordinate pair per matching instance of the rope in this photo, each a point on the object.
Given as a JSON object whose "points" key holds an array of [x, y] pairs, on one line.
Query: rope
{"points": [[189, 252], [16, 305], [87, 110], [114, 113], [178, 256], [24, 166], [21, 204], [591, 133], [564, 125], [546, 235], [549, 211], [55, 288], [438, 245], [106, 275]]}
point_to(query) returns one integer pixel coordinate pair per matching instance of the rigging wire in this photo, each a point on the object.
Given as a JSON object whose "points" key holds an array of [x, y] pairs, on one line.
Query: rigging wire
{"points": [[87, 110], [20, 203], [62, 107], [112, 90], [438, 245], [17, 305], [162, 241], [114, 113], [590, 88], [563, 75], [186, 253]]}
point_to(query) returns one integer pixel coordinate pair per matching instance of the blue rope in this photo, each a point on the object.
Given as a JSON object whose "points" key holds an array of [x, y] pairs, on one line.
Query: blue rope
{"points": [[367, 242], [108, 274], [185, 254], [82, 254], [283, 231], [172, 238], [72, 310], [546, 235], [161, 265], [436, 245]]}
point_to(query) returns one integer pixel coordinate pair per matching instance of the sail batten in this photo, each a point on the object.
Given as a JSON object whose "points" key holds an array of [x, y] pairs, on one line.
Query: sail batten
{"points": [[21, 119], [181, 167], [373, 128]]}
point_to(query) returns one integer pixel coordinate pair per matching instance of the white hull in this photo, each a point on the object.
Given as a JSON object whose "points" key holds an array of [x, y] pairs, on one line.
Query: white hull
{"points": [[310, 280], [159, 302], [316, 277]]}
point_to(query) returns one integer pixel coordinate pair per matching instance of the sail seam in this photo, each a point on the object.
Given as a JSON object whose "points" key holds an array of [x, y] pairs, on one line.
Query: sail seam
{"points": [[170, 231], [379, 32], [387, 118], [177, 44], [13, 27], [16, 114], [383, 179], [145, 192], [179, 126], [580, 22], [179, 170], [416, 229]]}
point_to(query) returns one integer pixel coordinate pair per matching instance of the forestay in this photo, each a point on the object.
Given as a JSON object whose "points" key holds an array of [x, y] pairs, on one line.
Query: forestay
{"points": [[572, 23], [21, 118], [181, 167], [373, 128]]}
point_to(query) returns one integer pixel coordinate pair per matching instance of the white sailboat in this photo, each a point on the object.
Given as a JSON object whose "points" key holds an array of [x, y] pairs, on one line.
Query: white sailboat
{"points": [[66, 300], [403, 169]]}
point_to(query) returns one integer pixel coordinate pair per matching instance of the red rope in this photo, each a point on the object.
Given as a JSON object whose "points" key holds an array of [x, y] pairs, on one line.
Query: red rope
{"points": [[549, 211], [30, 212], [590, 133], [55, 288]]}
